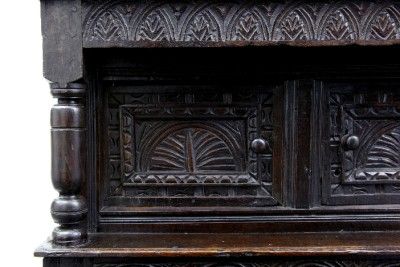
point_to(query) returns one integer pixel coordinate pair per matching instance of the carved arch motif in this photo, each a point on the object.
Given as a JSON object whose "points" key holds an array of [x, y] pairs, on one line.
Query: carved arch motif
{"points": [[383, 24], [379, 155], [192, 147], [372, 168], [385, 151], [202, 24], [155, 23], [295, 23], [208, 22], [247, 24], [339, 24], [107, 23]]}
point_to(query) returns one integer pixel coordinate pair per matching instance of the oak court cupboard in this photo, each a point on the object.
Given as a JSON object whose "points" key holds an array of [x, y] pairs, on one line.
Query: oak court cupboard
{"points": [[224, 133]]}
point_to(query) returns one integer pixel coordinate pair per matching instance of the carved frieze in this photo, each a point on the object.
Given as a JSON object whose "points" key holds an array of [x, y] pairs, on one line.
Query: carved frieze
{"points": [[135, 23]]}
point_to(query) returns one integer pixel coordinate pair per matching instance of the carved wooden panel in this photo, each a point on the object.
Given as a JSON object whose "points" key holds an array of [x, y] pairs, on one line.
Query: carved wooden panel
{"points": [[364, 145], [189, 149], [135, 23]]}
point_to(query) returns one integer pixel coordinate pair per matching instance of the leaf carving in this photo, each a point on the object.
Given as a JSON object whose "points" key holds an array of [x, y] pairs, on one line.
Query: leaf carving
{"points": [[154, 28], [210, 21], [338, 27], [248, 27], [293, 27], [109, 28], [383, 27], [202, 28], [385, 153], [192, 150]]}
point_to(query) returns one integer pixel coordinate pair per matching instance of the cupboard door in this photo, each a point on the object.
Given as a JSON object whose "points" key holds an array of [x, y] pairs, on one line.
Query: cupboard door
{"points": [[206, 149], [363, 144]]}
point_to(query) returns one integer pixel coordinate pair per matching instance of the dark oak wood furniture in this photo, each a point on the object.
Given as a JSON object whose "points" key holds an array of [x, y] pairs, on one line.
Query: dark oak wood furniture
{"points": [[224, 133]]}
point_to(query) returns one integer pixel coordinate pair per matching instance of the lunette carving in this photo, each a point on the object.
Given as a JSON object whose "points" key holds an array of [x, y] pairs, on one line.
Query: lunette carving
{"points": [[187, 149], [373, 166], [209, 22]]}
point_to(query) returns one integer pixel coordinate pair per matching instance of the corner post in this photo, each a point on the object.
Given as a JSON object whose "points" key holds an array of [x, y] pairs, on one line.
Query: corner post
{"points": [[68, 168]]}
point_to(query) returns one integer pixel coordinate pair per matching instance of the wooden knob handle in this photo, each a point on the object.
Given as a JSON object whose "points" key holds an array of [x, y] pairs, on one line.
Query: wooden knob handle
{"points": [[259, 146], [350, 142]]}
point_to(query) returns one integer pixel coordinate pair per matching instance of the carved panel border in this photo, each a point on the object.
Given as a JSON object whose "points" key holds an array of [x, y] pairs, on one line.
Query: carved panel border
{"points": [[177, 122], [180, 132], [210, 23]]}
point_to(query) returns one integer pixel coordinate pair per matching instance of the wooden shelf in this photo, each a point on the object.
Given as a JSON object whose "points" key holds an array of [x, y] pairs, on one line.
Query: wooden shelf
{"points": [[223, 245]]}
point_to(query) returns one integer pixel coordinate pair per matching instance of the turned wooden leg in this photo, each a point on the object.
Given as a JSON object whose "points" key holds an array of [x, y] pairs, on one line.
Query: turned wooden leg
{"points": [[68, 163]]}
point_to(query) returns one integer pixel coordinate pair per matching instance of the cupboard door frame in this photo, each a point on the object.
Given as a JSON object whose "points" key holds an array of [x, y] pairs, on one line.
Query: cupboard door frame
{"points": [[368, 114], [129, 108]]}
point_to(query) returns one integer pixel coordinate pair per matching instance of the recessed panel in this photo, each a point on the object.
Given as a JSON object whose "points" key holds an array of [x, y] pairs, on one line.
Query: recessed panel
{"points": [[187, 149], [364, 145]]}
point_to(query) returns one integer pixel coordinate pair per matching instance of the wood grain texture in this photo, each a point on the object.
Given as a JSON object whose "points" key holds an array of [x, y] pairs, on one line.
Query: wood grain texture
{"points": [[189, 149], [68, 169], [145, 88], [232, 245], [367, 172], [62, 40], [259, 263], [245, 156], [207, 262]]}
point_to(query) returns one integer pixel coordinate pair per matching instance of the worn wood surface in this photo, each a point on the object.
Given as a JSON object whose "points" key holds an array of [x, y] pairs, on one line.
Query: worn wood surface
{"points": [[154, 97], [239, 23], [62, 40], [206, 262], [287, 149], [69, 26], [230, 245], [151, 99], [68, 168]]}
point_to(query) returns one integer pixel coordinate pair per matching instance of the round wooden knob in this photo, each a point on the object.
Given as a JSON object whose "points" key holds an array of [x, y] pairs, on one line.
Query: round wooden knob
{"points": [[350, 142], [259, 146]]}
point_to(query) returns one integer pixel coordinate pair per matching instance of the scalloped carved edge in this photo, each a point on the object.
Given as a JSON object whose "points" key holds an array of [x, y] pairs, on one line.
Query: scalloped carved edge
{"points": [[127, 23]]}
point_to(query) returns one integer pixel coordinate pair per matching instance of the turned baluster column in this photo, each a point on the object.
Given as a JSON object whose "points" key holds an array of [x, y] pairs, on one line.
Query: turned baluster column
{"points": [[68, 163]]}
